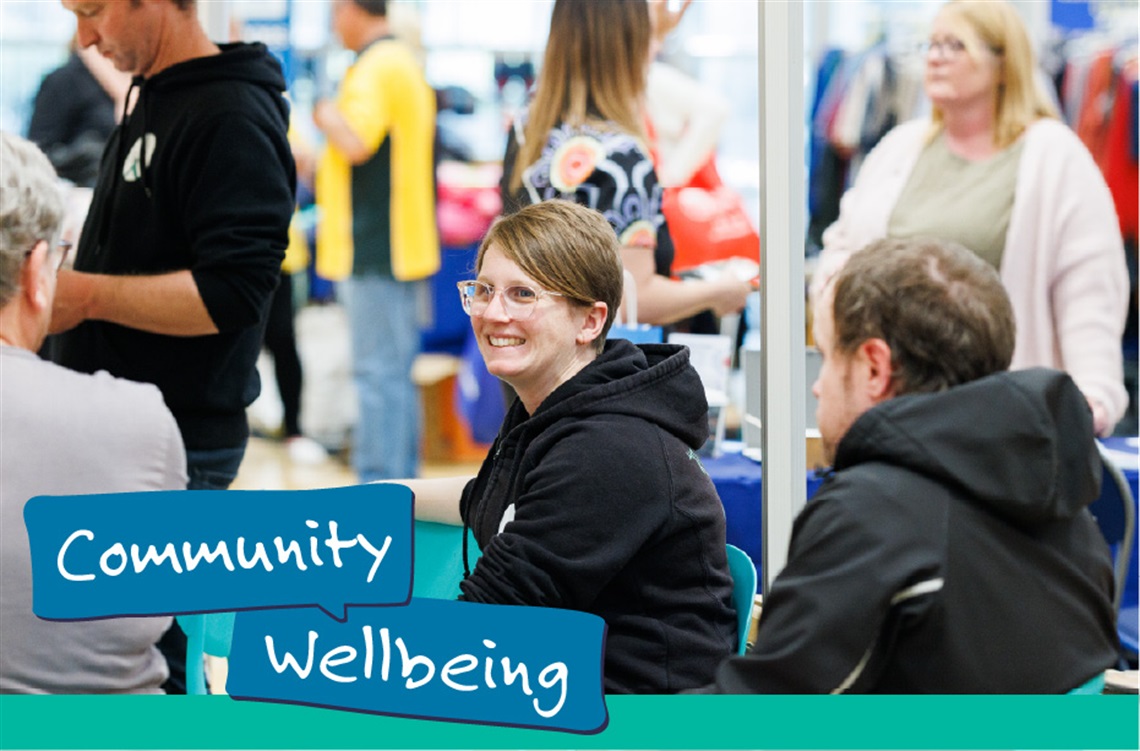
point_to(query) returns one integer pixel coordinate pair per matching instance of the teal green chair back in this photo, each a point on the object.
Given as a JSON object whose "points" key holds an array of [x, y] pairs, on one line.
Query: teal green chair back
{"points": [[1094, 685], [438, 565], [206, 634], [743, 590], [438, 568]]}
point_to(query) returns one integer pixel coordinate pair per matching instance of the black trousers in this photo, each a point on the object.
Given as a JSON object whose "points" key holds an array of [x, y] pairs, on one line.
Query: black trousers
{"points": [[281, 341]]}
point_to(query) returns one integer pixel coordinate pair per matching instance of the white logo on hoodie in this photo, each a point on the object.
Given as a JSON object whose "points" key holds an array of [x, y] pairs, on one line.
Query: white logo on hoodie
{"points": [[508, 517], [133, 165]]}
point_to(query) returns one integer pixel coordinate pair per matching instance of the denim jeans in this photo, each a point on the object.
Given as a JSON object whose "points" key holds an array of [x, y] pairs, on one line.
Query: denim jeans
{"points": [[384, 328], [213, 469]]}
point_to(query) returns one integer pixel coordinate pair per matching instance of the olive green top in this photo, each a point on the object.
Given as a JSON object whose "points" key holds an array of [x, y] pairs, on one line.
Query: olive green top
{"points": [[957, 199]]}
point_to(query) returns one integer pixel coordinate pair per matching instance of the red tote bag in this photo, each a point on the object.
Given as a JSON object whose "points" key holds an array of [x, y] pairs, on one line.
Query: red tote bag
{"points": [[707, 222]]}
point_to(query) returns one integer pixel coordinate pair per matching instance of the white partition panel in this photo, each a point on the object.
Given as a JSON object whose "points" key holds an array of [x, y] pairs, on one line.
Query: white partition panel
{"points": [[782, 275], [215, 18]]}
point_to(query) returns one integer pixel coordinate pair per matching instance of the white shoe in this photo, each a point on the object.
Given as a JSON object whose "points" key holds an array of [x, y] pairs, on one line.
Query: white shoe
{"points": [[304, 450]]}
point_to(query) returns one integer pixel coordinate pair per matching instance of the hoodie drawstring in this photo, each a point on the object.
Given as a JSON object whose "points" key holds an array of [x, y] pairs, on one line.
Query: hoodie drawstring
{"points": [[120, 156], [466, 567]]}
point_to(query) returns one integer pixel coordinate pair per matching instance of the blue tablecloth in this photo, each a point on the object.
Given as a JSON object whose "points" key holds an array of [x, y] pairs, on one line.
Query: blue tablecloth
{"points": [[737, 480]]}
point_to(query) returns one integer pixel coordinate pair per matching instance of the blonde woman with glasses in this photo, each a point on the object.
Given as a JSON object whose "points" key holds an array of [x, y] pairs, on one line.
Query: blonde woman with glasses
{"points": [[592, 497], [995, 170]]}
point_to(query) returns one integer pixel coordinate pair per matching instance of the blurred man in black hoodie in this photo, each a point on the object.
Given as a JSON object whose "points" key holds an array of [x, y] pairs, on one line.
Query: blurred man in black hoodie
{"points": [[75, 111], [188, 226]]}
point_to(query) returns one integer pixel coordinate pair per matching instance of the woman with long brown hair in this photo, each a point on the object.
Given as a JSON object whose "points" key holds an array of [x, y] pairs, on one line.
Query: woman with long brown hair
{"points": [[583, 139]]}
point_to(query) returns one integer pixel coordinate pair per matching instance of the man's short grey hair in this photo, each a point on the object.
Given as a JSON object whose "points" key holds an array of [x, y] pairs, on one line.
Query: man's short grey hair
{"points": [[31, 207]]}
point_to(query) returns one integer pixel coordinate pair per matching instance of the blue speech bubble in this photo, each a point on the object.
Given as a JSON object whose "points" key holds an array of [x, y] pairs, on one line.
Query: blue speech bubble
{"points": [[434, 659], [192, 551]]}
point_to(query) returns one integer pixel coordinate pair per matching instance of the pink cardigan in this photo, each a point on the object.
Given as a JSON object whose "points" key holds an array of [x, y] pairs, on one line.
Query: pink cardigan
{"points": [[1063, 266]]}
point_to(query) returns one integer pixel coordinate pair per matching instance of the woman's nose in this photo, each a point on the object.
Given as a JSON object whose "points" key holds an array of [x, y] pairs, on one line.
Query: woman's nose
{"points": [[497, 308]]}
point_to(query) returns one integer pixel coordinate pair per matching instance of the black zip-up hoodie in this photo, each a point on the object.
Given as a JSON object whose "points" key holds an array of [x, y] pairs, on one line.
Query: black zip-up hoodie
{"points": [[612, 514], [950, 552], [212, 191]]}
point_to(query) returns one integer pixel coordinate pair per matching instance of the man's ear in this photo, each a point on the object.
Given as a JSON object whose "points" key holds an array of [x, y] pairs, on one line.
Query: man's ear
{"points": [[33, 285], [876, 354], [593, 323]]}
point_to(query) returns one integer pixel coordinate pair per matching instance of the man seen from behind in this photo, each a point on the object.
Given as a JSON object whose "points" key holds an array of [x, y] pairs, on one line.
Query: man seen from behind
{"points": [[950, 550], [64, 433]]}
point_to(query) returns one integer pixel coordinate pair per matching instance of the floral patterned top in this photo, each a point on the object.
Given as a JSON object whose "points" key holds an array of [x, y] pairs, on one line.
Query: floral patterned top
{"points": [[605, 169]]}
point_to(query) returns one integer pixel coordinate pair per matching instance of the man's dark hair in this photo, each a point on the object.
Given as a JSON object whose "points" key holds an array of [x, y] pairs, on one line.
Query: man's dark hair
{"points": [[941, 309], [373, 7]]}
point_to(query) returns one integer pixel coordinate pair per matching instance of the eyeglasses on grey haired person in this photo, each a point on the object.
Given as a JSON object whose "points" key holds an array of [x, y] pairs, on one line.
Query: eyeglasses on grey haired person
{"points": [[63, 246]]}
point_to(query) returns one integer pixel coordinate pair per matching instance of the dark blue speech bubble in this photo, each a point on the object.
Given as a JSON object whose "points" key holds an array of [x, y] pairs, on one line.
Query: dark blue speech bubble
{"points": [[434, 659], [190, 551]]}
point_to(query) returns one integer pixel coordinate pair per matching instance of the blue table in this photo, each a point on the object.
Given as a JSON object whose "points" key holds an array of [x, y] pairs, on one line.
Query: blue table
{"points": [[737, 480]]}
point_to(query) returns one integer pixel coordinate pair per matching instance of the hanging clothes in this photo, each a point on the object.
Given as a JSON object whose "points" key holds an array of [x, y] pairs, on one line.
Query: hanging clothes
{"points": [[858, 99]]}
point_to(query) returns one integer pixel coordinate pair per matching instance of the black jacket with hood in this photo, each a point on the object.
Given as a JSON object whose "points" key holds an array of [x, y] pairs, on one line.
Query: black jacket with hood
{"points": [[211, 192], [950, 552], [599, 503]]}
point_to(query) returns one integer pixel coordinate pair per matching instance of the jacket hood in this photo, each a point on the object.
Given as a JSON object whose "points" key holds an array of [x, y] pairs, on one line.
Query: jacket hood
{"points": [[654, 382], [1019, 442], [239, 61]]}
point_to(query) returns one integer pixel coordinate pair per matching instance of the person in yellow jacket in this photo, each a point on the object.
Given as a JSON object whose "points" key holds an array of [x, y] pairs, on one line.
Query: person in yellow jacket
{"points": [[377, 232]]}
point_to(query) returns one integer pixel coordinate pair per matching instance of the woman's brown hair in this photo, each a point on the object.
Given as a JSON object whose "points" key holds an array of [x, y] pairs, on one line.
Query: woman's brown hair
{"points": [[594, 69]]}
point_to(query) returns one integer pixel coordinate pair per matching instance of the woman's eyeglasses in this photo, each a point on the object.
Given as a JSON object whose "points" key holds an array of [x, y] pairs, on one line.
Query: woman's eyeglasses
{"points": [[518, 300], [948, 47], [63, 247]]}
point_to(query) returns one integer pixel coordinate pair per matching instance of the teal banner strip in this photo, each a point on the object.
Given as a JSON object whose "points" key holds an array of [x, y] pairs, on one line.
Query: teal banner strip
{"points": [[656, 722]]}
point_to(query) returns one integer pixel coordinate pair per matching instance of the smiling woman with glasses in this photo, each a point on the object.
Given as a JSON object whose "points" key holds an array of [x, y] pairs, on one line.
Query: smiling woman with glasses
{"points": [[994, 169], [592, 497]]}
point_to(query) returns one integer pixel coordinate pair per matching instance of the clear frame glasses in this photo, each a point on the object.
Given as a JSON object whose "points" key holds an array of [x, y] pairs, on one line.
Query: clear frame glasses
{"points": [[518, 300], [63, 247]]}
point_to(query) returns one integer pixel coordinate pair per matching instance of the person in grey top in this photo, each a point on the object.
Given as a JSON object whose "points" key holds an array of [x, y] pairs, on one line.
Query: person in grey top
{"points": [[64, 433]]}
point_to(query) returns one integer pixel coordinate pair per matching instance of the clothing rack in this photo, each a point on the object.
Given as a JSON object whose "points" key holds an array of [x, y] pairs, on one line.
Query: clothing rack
{"points": [[858, 98], [1096, 80]]}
